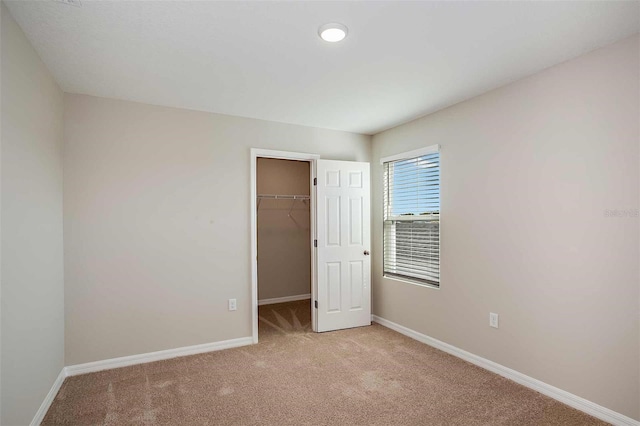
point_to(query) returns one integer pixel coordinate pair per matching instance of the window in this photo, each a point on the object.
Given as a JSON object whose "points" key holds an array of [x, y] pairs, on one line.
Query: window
{"points": [[412, 216]]}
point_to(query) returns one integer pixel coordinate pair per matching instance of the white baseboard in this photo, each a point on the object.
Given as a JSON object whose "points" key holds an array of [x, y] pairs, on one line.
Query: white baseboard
{"points": [[284, 299], [44, 407], [91, 367], [565, 397], [125, 361]]}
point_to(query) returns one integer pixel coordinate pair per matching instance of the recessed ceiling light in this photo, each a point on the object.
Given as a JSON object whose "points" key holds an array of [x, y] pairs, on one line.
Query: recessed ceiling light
{"points": [[332, 32]]}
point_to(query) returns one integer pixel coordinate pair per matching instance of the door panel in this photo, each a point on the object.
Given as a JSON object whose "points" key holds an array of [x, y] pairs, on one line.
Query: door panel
{"points": [[344, 270], [356, 282], [355, 221], [333, 221], [334, 287]]}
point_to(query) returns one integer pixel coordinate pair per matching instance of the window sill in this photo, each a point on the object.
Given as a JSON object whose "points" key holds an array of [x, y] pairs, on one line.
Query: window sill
{"points": [[412, 282]]}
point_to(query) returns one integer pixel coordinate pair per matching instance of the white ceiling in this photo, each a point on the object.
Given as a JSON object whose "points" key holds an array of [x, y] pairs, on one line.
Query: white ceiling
{"points": [[265, 60]]}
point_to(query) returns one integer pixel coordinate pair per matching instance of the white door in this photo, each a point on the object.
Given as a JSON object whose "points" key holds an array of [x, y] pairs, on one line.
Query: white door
{"points": [[343, 232]]}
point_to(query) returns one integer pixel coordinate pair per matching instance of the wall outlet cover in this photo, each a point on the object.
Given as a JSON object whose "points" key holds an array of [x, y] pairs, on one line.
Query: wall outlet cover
{"points": [[493, 320]]}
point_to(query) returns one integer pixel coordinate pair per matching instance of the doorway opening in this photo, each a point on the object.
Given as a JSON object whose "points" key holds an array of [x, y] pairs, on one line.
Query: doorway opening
{"points": [[283, 229], [284, 246]]}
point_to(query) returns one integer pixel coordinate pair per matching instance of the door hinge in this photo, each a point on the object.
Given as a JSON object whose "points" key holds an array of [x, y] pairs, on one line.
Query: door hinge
{"points": [[315, 243], [315, 304], [315, 181]]}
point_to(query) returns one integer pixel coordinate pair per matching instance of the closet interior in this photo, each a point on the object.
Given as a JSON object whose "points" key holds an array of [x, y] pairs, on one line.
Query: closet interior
{"points": [[284, 245]]}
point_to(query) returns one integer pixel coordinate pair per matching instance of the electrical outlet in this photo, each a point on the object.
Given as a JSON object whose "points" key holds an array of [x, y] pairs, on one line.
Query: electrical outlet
{"points": [[232, 305], [493, 320]]}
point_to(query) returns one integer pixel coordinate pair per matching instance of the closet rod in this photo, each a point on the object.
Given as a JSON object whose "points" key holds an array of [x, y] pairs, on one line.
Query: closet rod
{"points": [[283, 197]]}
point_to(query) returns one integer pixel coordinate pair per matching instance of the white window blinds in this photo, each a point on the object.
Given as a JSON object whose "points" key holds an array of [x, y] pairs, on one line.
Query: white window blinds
{"points": [[412, 218]]}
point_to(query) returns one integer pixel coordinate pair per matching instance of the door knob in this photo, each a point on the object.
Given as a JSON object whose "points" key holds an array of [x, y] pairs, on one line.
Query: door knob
{"points": [[366, 252]]}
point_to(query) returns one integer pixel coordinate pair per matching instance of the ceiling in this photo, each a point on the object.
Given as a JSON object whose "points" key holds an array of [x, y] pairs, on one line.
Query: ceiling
{"points": [[264, 60]]}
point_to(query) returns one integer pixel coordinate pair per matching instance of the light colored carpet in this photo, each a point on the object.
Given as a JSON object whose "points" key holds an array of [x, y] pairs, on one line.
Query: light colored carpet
{"points": [[364, 376]]}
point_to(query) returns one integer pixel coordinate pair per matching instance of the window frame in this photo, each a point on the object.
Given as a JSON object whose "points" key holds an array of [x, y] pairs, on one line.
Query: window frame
{"points": [[400, 157]]}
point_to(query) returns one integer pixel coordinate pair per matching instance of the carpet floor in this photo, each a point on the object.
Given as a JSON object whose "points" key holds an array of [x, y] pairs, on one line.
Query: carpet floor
{"points": [[364, 376]]}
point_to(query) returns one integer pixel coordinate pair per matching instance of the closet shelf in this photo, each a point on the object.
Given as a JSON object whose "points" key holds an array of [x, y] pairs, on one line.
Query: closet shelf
{"points": [[283, 197], [294, 198]]}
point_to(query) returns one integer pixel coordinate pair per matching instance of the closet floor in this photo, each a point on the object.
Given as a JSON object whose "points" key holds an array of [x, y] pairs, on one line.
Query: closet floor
{"points": [[290, 318]]}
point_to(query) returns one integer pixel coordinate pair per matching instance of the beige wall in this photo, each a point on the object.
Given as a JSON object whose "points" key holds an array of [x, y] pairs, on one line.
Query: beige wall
{"points": [[284, 239], [32, 267], [157, 222], [528, 173]]}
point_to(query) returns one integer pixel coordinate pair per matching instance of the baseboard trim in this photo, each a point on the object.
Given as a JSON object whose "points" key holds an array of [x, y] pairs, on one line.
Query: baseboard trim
{"points": [[44, 407], [125, 361], [565, 397], [284, 299]]}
